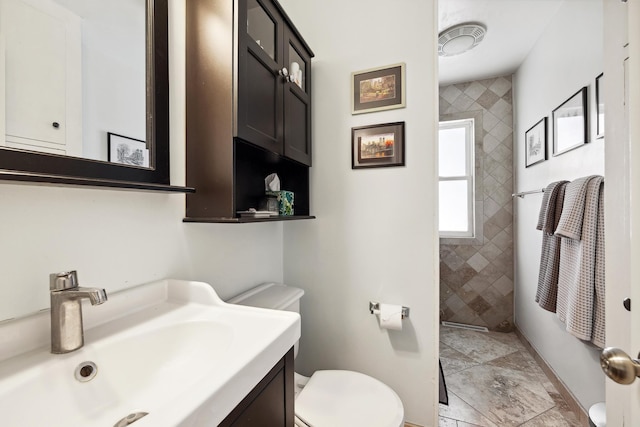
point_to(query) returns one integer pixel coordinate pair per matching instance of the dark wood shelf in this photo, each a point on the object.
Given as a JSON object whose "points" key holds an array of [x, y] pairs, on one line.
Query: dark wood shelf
{"points": [[91, 182], [248, 220]]}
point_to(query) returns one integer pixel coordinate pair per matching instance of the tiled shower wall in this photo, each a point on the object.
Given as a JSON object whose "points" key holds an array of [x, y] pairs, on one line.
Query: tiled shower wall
{"points": [[476, 276]]}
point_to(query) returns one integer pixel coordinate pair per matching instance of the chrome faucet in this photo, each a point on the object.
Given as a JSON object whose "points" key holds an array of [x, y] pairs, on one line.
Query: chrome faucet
{"points": [[67, 333]]}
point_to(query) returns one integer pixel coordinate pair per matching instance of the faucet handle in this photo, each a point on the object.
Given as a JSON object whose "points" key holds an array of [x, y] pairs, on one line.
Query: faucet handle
{"points": [[63, 280]]}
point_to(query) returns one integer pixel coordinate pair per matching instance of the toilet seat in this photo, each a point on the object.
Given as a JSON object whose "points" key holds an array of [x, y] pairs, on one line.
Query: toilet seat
{"points": [[336, 398]]}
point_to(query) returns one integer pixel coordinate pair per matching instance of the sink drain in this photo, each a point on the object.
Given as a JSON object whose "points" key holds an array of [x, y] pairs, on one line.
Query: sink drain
{"points": [[130, 419], [86, 371]]}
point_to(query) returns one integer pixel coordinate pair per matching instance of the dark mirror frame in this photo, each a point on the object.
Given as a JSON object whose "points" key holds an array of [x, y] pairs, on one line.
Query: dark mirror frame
{"points": [[39, 167]]}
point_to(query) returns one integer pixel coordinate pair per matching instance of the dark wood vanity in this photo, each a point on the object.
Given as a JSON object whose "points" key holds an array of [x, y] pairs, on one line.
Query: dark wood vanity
{"points": [[248, 108], [270, 403]]}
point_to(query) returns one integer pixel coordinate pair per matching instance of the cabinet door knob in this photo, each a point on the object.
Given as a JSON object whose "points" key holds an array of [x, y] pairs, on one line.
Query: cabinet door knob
{"points": [[55, 125], [284, 72]]}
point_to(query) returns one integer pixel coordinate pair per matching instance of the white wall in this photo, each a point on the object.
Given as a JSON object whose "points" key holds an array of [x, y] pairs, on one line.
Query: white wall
{"points": [[568, 56], [118, 239], [374, 238]]}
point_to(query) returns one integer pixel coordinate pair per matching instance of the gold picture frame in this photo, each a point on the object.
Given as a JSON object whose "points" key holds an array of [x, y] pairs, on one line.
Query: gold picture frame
{"points": [[378, 89]]}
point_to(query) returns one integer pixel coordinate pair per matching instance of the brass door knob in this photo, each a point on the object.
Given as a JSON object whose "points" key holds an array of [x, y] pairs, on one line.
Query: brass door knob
{"points": [[618, 366]]}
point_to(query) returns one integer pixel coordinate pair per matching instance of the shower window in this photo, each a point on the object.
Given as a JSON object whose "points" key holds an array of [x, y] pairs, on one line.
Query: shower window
{"points": [[456, 164]]}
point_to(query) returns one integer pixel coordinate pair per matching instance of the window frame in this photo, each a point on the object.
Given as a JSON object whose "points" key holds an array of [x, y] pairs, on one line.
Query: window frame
{"points": [[470, 167]]}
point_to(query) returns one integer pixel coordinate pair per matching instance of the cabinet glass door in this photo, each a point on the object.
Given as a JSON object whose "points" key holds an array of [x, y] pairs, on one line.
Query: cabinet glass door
{"points": [[261, 28], [297, 101], [260, 62]]}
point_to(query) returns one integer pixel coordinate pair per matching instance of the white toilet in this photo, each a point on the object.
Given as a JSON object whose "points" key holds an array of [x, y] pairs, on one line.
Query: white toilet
{"points": [[330, 398]]}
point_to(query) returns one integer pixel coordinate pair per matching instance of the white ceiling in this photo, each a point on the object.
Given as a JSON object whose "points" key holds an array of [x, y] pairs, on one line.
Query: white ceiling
{"points": [[513, 27]]}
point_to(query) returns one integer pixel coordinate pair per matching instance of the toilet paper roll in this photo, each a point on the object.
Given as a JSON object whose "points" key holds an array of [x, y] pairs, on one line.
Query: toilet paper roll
{"points": [[390, 317]]}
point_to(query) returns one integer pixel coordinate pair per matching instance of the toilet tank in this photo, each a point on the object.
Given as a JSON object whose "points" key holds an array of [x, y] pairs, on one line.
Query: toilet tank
{"points": [[274, 296]]}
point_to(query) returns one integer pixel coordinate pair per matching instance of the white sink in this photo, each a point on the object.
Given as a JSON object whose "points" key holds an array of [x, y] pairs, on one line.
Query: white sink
{"points": [[171, 349]]}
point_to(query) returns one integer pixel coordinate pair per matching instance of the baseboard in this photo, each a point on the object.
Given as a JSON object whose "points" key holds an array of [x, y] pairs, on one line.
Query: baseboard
{"points": [[566, 394]]}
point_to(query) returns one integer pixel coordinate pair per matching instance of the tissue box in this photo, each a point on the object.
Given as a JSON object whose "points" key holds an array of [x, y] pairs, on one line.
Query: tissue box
{"points": [[285, 201]]}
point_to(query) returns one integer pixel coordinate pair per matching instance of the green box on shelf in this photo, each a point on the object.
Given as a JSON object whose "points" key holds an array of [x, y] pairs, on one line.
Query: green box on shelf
{"points": [[285, 201]]}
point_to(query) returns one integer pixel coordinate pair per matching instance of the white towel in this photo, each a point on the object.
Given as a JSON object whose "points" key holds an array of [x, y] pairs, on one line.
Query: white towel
{"points": [[578, 226]]}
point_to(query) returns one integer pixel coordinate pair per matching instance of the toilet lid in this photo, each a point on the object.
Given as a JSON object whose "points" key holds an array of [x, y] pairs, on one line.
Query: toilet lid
{"points": [[347, 399]]}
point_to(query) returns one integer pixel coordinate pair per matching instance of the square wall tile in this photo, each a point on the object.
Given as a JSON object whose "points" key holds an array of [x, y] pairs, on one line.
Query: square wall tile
{"points": [[476, 274]]}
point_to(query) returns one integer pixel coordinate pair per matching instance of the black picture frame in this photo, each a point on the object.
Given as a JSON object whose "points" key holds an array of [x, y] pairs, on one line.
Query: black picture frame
{"points": [[378, 89], [535, 143], [380, 145], [599, 107], [571, 123], [125, 150]]}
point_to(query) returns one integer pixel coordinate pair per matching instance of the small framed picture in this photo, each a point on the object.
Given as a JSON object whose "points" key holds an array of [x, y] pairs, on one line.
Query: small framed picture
{"points": [[377, 146], [599, 107], [378, 89], [535, 140], [127, 151], [570, 127]]}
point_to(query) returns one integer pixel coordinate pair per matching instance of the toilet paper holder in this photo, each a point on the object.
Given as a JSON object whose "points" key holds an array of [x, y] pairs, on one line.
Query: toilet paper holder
{"points": [[374, 308]]}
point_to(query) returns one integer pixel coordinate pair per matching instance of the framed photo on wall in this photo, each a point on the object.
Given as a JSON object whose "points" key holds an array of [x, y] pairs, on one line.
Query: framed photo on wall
{"points": [[377, 146], [570, 126], [599, 107], [378, 89], [535, 143]]}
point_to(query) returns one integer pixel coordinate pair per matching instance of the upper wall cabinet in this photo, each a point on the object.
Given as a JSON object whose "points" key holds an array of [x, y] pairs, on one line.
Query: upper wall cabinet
{"points": [[248, 107], [274, 101]]}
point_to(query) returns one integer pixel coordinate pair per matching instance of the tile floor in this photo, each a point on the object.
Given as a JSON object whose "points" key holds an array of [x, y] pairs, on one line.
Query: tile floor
{"points": [[493, 381]]}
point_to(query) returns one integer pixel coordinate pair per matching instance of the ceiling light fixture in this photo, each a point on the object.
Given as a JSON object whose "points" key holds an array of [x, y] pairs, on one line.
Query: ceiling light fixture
{"points": [[460, 38]]}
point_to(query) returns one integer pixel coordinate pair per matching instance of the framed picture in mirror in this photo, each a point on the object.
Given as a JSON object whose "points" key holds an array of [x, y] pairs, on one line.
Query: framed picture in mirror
{"points": [[127, 151]]}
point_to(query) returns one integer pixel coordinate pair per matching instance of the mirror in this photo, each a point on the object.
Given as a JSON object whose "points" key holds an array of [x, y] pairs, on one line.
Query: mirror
{"points": [[84, 91]]}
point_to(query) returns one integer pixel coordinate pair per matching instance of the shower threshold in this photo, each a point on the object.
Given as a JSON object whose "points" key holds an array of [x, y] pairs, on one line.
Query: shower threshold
{"points": [[463, 326]]}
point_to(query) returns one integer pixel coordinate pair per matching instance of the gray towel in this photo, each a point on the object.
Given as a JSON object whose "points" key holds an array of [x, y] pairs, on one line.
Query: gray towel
{"points": [[598, 336], [550, 212], [573, 213], [578, 226]]}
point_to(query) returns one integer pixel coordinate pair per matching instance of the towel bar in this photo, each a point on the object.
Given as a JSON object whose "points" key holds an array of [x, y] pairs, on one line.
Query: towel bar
{"points": [[524, 193]]}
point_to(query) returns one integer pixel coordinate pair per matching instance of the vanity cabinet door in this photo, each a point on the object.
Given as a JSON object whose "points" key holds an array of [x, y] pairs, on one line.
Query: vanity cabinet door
{"points": [[260, 59], [267, 409], [270, 403], [297, 101]]}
